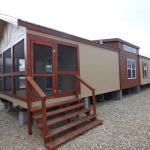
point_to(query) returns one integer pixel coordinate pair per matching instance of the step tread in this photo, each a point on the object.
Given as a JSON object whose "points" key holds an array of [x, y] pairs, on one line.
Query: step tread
{"points": [[55, 112], [73, 134], [67, 116], [70, 125], [35, 109]]}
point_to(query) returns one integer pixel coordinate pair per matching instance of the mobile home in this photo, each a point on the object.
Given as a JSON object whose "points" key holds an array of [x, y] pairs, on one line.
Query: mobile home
{"points": [[50, 73], [144, 71], [129, 70]]}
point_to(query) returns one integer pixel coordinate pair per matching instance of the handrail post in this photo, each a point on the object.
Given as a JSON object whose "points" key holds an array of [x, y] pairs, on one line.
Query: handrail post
{"points": [[35, 86], [77, 90], [44, 118], [94, 101], [93, 92], [29, 99]]}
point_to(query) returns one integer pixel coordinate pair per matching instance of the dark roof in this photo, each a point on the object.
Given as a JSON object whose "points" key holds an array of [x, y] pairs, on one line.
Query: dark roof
{"points": [[119, 40], [50, 31]]}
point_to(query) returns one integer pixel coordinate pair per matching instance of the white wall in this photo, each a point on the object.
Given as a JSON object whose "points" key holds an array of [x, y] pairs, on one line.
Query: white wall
{"points": [[11, 35]]}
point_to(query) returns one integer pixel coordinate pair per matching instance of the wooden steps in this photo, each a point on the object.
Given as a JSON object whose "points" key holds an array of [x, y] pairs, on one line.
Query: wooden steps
{"points": [[71, 135], [70, 125], [36, 109], [67, 116], [65, 121], [58, 111]]}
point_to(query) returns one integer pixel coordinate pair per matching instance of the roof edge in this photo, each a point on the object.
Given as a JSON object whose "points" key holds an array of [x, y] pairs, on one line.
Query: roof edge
{"points": [[9, 19], [145, 57], [119, 40], [57, 33]]}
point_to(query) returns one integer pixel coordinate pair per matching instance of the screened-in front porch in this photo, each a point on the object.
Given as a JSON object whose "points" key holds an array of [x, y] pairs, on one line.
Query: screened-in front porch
{"points": [[52, 64]]}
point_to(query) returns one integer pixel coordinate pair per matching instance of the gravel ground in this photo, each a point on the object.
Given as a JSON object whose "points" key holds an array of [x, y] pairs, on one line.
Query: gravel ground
{"points": [[126, 127]]}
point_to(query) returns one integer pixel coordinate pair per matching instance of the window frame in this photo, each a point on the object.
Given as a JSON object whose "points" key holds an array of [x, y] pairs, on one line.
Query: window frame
{"points": [[62, 72], [12, 74], [52, 43], [13, 58], [131, 68], [145, 76], [4, 61], [130, 49]]}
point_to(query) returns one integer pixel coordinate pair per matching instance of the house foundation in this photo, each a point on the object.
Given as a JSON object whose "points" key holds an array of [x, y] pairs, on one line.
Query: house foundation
{"points": [[22, 117]]}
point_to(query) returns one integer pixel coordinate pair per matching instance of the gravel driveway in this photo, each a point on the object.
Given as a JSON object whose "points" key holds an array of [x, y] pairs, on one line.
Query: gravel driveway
{"points": [[126, 127]]}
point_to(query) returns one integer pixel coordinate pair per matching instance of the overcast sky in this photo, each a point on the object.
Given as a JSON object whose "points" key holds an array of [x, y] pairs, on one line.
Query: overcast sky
{"points": [[91, 19]]}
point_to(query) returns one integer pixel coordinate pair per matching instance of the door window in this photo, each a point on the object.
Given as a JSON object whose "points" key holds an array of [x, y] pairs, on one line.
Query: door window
{"points": [[67, 68], [43, 67]]}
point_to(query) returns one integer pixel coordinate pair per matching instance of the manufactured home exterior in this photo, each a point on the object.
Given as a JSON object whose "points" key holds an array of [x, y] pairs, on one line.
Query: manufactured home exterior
{"points": [[144, 70], [51, 74], [129, 70], [24, 36]]}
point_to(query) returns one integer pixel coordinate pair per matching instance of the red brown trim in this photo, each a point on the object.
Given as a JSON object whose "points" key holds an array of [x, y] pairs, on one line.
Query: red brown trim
{"points": [[12, 75], [125, 82], [50, 31], [121, 41], [53, 44]]}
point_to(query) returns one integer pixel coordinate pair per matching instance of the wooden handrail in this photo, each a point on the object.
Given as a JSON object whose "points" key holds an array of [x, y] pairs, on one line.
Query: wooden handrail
{"points": [[86, 84], [89, 87], [36, 87]]}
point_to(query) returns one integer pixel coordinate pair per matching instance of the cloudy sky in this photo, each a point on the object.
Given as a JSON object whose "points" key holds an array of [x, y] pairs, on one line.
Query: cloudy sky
{"points": [[91, 19]]}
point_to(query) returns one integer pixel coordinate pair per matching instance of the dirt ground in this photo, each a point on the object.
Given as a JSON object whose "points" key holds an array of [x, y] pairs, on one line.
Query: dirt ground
{"points": [[126, 127]]}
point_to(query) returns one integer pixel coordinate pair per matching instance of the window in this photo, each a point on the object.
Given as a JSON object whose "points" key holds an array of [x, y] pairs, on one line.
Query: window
{"points": [[66, 83], [67, 68], [19, 61], [20, 86], [1, 84], [129, 48], [12, 67], [46, 84], [145, 70], [131, 68], [1, 64], [67, 58], [7, 61], [8, 85], [48, 66], [42, 62]]}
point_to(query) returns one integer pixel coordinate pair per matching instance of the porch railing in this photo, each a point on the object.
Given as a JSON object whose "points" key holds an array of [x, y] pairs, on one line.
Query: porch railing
{"points": [[79, 79], [40, 92]]}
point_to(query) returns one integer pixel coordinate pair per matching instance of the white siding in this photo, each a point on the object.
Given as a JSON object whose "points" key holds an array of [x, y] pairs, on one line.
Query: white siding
{"points": [[11, 34]]}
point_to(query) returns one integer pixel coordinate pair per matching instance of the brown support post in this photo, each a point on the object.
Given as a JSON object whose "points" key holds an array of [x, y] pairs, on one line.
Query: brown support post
{"points": [[29, 123], [43, 103], [29, 99], [77, 89], [45, 127], [94, 102]]}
